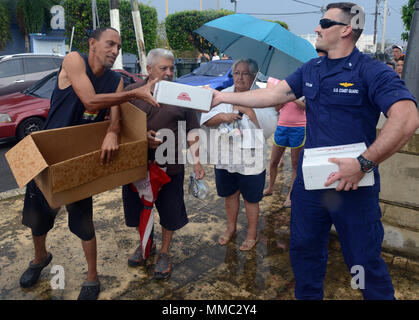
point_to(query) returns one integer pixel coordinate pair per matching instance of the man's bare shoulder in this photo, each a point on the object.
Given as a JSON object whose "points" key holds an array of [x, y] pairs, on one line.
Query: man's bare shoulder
{"points": [[73, 59]]}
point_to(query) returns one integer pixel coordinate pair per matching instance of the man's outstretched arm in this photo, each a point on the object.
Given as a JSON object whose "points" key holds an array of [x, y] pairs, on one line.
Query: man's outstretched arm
{"points": [[74, 73], [259, 98]]}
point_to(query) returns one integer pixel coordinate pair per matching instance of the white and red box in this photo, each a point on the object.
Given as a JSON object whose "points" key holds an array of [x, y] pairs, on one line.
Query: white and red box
{"points": [[182, 95], [317, 168]]}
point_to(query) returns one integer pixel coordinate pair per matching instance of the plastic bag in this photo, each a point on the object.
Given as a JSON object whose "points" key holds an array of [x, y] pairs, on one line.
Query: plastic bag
{"points": [[233, 129], [197, 188]]}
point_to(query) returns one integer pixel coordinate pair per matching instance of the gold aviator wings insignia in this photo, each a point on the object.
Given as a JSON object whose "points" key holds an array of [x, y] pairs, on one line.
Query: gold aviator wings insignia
{"points": [[346, 84]]}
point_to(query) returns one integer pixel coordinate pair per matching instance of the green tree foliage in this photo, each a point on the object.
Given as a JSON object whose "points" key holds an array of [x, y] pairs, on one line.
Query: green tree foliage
{"points": [[78, 13], [180, 27], [282, 23], [34, 16], [407, 15], [4, 25]]}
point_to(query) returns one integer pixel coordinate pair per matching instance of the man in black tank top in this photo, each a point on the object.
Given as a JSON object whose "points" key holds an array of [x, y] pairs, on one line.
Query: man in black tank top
{"points": [[86, 88]]}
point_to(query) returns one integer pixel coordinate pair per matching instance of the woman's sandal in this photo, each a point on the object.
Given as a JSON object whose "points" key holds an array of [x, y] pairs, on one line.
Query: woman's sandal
{"points": [[224, 239], [286, 204], [248, 244]]}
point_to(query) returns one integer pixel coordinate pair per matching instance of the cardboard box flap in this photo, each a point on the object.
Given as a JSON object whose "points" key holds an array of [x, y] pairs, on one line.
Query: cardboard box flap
{"points": [[135, 123], [86, 168], [25, 161]]}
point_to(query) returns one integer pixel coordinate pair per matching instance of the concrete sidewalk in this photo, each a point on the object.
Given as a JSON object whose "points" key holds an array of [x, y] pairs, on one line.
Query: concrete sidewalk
{"points": [[202, 269]]}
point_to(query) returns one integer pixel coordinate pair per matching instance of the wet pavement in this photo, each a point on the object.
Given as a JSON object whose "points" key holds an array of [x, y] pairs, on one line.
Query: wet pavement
{"points": [[202, 269]]}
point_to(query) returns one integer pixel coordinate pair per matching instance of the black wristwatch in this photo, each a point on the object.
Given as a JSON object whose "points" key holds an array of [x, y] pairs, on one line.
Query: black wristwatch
{"points": [[366, 165]]}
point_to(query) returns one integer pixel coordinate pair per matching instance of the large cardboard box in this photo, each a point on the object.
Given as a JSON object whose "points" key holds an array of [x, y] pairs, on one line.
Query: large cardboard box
{"points": [[65, 162], [317, 168], [182, 95]]}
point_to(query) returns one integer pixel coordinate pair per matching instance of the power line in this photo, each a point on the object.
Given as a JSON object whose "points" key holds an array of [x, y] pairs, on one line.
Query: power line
{"points": [[395, 10], [309, 4], [281, 14]]}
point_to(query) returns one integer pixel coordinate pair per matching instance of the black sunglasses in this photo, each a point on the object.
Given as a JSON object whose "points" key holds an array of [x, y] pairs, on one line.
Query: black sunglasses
{"points": [[327, 23]]}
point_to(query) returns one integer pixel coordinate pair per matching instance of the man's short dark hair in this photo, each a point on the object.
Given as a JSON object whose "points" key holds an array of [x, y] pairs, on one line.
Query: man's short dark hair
{"points": [[98, 32], [348, 15]]}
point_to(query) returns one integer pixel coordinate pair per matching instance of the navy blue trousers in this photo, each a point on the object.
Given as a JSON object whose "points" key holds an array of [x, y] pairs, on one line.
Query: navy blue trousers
{"points": [[356, 216]]}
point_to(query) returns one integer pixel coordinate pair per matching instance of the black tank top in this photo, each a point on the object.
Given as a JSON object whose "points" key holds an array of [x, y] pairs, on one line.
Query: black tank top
{"points": [[68, 110]]}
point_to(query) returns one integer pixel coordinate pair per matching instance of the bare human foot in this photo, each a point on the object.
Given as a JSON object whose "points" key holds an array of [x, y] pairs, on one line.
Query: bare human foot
{"points": [[226, 237], [287, 204], [267, 192]]}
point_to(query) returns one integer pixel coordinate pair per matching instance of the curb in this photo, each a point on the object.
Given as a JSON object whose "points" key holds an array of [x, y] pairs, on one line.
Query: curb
{"points": [[12, 193]]}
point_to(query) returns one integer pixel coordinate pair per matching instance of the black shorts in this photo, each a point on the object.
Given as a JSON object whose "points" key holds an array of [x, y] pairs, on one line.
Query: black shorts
{"points": [[250, 186], [40, 217], [169, 203]]}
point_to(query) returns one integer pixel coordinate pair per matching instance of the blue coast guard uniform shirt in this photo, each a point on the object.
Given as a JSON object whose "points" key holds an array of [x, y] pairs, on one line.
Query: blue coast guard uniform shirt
{"points": [[344, 98]]}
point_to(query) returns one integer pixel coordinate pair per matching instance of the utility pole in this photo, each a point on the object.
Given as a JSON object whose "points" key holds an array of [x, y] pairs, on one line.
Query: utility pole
{"points": [[375, 25], [167, 8], [200, 5], [114, 15], [235, 5], [94, 13], [218, 4], [411, 67], [139, 36], [383, 37]]}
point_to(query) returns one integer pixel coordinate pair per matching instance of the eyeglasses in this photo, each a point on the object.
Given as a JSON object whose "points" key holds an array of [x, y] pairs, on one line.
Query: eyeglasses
{"points": [[327, 23], [244, 74]]}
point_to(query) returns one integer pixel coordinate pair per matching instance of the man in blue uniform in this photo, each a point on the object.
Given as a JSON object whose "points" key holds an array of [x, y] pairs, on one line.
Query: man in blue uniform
{"points": [[336, 117], [85, 89]]}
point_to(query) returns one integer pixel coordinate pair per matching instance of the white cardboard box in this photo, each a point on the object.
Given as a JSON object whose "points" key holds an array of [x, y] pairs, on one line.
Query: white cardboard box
{"points": [[317, 168], [182, 95]]}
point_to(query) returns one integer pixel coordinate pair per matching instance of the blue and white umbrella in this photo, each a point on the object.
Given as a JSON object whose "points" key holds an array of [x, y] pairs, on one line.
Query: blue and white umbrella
{"points": [[277, 51]]}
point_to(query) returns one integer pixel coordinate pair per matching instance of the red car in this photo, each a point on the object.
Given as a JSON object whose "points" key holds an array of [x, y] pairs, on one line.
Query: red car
{"points": [[129, 78], [24, 112]]}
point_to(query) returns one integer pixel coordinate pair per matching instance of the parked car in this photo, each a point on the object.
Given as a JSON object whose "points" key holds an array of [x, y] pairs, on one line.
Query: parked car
{"points": [[24, 112], [20, 71], [127, 77], [217, 74]]}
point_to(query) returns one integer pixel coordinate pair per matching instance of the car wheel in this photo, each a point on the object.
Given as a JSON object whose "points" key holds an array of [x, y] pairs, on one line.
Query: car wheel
{"points": [[28, 126]]}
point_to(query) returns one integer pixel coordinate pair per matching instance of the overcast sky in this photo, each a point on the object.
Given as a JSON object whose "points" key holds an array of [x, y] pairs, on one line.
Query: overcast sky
{"points": [[298, 24]]}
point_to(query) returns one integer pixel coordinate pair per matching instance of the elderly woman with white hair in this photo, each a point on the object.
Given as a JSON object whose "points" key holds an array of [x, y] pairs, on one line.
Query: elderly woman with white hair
{"points": [[233, 177]]}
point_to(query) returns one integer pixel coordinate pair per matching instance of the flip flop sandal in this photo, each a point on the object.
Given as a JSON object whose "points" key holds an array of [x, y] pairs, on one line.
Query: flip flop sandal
{"points": [[163, 267], [286, 204], [248, 244]]}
